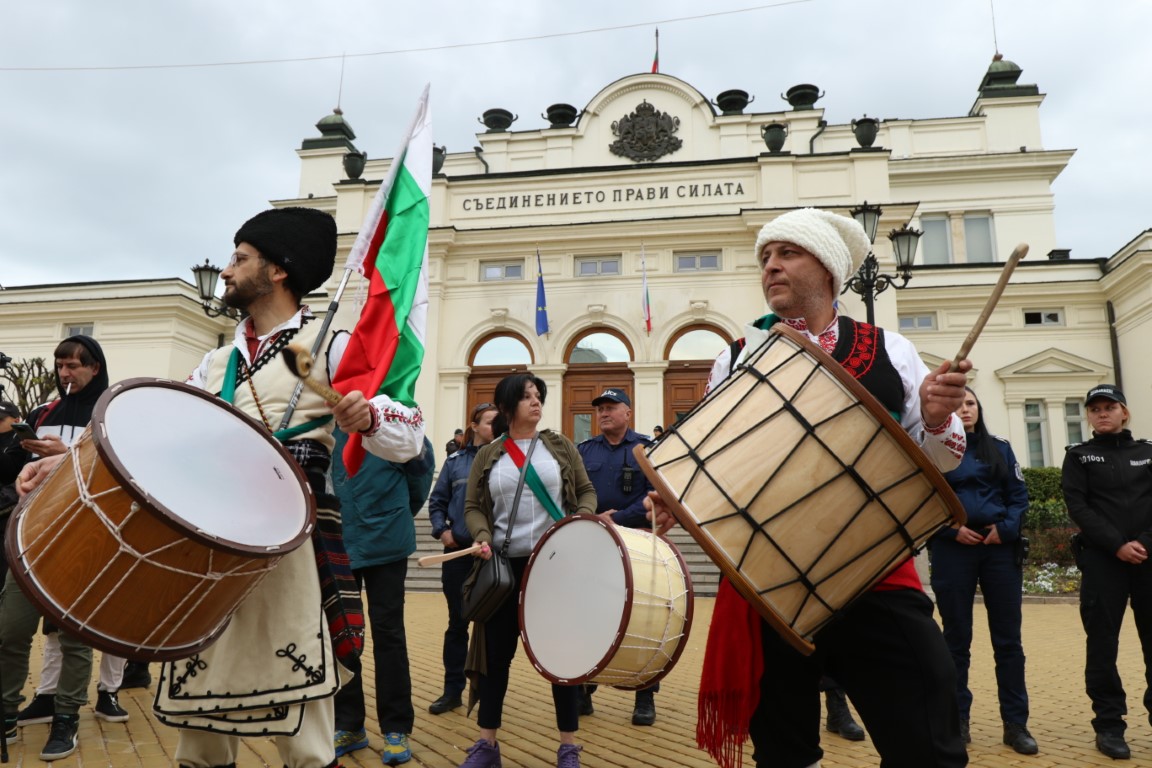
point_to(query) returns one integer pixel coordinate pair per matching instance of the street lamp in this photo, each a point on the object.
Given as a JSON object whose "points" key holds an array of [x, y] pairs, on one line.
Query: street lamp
{"points": [[206, 277], [868, 282]]}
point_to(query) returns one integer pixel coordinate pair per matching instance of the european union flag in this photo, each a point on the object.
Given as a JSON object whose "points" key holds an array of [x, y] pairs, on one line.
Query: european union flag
{"points": [[541, 302]]}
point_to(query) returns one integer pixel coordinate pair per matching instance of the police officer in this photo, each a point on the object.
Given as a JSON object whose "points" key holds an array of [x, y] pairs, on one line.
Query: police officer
{"points": [[1107, 485], [620, 491]]}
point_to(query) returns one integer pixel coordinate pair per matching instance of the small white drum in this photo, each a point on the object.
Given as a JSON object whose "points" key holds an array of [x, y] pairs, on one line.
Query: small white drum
{"points": [[604, 604], [166, 512]]}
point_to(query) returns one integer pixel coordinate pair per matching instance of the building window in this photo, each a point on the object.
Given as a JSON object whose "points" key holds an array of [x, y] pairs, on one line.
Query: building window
{"points": [[80, 329], [936, 243], [502, 270], [697, 344], [503, 350], [918, 322], [600, 347], [978, 243], [1036, 426], [705, 261], [1074, 420], [1043, 317], [591, 266]]}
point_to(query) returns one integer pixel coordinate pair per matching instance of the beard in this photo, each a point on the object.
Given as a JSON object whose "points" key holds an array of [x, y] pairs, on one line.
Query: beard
{"points": [[241, 294]]}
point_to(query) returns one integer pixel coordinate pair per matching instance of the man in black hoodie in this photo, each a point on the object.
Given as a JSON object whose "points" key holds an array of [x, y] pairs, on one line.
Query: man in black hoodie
{"points": [[81, 377]]}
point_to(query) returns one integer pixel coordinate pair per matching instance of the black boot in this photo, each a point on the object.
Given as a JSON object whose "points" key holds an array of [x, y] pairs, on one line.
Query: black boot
{"points": [[136, 675], [839, 717]]}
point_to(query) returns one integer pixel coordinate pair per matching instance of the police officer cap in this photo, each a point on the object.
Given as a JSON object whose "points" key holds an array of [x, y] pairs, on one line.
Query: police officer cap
{"points": [[614, 395], [1107, 391]]}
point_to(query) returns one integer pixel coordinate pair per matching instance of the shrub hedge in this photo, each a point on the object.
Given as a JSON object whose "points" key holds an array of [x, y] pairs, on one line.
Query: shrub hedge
{"points": [[1047, 524]]}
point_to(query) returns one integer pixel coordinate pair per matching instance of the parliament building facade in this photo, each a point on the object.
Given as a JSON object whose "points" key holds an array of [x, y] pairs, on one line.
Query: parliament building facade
{"points": [[654, 181]]}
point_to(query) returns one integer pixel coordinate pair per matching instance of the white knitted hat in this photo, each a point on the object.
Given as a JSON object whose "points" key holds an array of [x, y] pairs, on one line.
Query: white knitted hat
{"points": [[839, 242]]}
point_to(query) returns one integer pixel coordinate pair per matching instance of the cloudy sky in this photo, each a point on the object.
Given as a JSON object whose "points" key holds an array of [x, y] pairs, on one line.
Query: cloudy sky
{"points": [[136, 135]]}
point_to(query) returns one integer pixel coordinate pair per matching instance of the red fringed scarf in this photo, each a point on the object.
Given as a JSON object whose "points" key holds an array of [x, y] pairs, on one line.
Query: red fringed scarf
{"points": [[730, 678]]}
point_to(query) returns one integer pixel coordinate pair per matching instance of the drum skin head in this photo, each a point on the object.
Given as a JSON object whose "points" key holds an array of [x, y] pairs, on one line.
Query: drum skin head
{"points": [[203, 465]]}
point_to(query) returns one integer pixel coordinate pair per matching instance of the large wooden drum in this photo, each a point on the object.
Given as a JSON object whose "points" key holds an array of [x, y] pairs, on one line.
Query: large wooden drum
{"points": [[799, 485], [162, 517]]}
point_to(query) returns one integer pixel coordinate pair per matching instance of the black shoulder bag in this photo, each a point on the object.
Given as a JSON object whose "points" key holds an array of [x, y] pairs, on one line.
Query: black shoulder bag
{"points": [[491, 582]]}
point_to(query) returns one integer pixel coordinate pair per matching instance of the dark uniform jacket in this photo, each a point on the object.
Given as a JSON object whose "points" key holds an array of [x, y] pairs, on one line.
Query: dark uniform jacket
{"points": [[1107, 485], [620, 484]]}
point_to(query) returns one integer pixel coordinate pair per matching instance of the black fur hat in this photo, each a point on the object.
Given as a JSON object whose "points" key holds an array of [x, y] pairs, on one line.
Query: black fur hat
{"points": [[300, 240]]}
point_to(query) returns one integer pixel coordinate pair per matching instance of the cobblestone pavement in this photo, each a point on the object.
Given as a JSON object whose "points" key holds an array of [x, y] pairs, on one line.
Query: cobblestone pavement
{"points": [[1053, 641]]}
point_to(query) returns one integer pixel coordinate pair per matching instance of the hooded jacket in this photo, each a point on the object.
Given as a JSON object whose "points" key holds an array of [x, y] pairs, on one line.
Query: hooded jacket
{"points": [[377, 504], [69, 414]]}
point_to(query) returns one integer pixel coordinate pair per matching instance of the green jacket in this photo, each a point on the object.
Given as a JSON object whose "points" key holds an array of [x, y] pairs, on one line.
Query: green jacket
{"points": [[577, 493]]}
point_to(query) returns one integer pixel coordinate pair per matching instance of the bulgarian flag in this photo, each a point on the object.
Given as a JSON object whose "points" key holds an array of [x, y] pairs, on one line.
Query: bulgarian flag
{"points": [[386, 348], [656, 58]]}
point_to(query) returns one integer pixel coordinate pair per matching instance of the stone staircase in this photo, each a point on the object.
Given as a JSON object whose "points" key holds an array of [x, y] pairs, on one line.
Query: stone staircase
{"points": [[705, 575]]}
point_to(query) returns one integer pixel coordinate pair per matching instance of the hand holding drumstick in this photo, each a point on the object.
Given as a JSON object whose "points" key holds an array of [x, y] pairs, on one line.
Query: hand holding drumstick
{"points": [[353, 412]]}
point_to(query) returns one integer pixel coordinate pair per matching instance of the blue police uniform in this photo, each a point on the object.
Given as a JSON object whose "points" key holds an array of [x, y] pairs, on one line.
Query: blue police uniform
{"points": [[620, 483]]}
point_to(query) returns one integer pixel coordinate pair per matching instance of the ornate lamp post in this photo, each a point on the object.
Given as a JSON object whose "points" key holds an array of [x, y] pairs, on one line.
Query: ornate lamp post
{"points": [[206, 277], [868, 282]]}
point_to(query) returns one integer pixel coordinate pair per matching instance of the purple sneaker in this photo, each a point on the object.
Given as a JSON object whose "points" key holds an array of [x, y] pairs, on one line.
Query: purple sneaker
{"points": [[568, 756], [484, 754]]}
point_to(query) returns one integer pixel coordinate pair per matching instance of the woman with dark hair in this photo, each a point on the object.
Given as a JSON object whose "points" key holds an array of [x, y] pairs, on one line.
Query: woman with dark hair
{"points": [[493, 517], [446, 512], [983, 552]]}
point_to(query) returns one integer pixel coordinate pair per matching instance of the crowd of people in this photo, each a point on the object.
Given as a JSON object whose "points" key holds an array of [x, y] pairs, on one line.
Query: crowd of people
{"points": [[506, 479]]}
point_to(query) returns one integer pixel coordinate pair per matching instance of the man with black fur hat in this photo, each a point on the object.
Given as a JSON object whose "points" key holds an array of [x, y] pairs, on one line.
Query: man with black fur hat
{"points": [[272, 671]]}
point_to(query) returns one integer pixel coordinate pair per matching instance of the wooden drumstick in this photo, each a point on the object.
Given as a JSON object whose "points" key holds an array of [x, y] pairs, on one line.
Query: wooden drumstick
{"points": [[433, 559], [300, 362], [1018, 253]]}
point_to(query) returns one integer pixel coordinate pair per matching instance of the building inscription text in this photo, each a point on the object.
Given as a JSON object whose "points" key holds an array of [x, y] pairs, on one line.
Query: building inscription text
{"points": [[603, 196]]}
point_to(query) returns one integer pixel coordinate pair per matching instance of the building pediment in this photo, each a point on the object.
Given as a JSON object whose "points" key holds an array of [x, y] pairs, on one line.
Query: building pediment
{"points": [[1053, 362]]}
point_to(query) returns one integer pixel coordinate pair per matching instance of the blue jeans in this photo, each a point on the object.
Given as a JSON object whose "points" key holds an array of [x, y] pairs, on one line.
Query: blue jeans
{"points": [[956, 570], [383, 587], [452, 576]]}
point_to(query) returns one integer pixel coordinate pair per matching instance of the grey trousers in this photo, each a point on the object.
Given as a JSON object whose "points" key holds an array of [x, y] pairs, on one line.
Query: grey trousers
{"points": [[19, 621]]}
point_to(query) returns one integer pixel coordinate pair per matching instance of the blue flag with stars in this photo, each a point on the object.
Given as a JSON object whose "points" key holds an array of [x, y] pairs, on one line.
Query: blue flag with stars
{"points": [[541, 302]]}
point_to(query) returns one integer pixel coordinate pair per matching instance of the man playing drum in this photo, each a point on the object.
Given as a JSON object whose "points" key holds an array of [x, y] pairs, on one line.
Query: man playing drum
{"points": [[885, 649], [272, 671]]}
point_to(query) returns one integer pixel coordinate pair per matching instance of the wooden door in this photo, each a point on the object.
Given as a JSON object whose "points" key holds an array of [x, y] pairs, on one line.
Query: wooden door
{"points": [[482, 384], [582, 383], [684, 385]]}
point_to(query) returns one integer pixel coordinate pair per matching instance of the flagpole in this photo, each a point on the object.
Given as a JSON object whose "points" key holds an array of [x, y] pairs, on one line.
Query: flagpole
{"points": [[324, 326]]}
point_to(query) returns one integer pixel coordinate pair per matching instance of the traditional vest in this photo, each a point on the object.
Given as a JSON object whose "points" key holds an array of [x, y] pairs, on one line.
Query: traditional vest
{"points": [[274, 384], [860, 349]]}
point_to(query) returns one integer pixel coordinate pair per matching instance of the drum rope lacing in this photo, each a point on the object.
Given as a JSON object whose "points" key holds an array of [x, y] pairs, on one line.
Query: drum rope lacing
{"points": [[89, 501]]}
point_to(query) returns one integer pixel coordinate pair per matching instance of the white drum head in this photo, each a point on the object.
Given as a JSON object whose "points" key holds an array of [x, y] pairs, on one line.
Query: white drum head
{"points": [[575, 599], [204, 465]]}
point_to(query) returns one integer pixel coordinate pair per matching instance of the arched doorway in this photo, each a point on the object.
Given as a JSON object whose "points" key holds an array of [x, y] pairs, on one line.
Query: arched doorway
{"points": [[494, 357], [690, 355], [597, 359]]}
